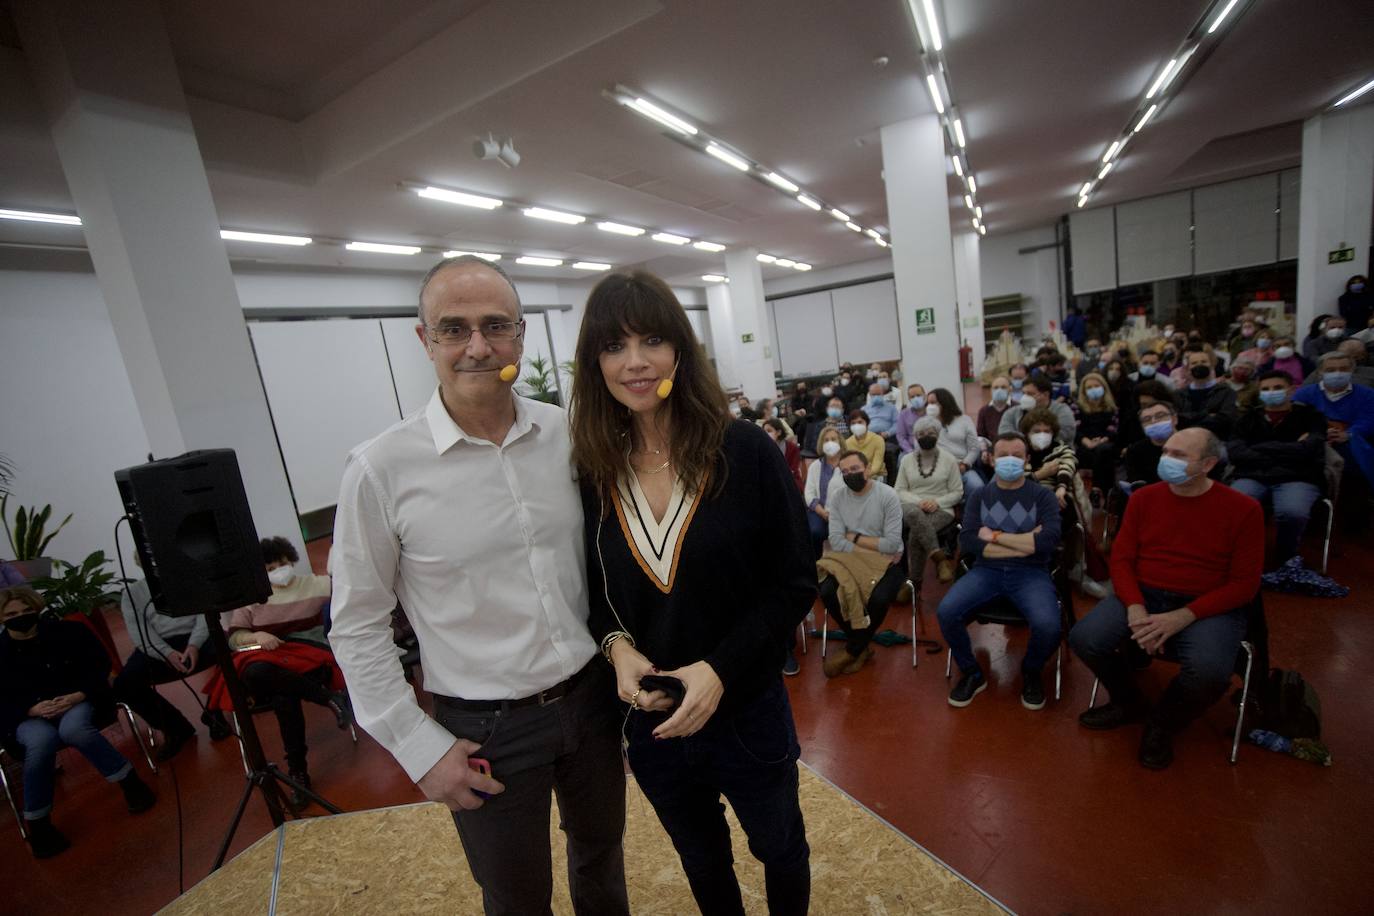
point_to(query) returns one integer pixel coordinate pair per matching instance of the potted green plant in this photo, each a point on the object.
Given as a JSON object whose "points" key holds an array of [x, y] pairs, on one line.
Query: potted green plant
{"points": [[541, 381], [78, 593], [29, 537]]}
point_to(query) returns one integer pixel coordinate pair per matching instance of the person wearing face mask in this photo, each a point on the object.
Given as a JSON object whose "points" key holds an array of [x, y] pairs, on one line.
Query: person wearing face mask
{"points": [[1051, 463], [873, 446], [861, 572], [1279, 457], [906, 418], [1316, 333], [1158, 419], [1261, 347], [1204, 402], [848, 385], [1036, 393], [1245, 336], [1349, 412], [1017, 374], [1285, 358], [990, 414], [822, 478], [1185, 565], [283, 657], [1151, 366], [53, 692], [958, 436], [929, 485], [817, 406], [1241, 380], [1095, 440], [1333, 333], [791, 452], [1011, 529], [799, 408], [1356, 304], [767, 409], [882, 421], [835, 417]]}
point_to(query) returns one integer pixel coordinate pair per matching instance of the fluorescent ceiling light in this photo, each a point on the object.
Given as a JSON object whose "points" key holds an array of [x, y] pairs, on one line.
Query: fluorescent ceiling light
{"points": [[958, 166], [380, 248], [555, 216], [1144, 118], [1105, 169], [590, 265], [1111, 151], [1163, 76], [1354, 95], [785, 262], [978, 212], [935, 93], [533, 261], [959, 131], [458, 197], [872, 233], [839, 215], [764, 258], [801, 266], [855, 226], [982, 230], [1086, 189], [669, 239], [785, 183], [1216, 23], [714, 278], [484, 255], [808, 202], [620, 228], [61, 218], [972, 185], [933, 25], [729, 158], [708, 246], [968, 201], [654, 113], [882, 242], [975, 223], [231, 235]]}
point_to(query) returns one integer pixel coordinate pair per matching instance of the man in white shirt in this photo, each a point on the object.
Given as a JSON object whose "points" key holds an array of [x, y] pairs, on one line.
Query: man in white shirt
{"points": [[467, 513]]}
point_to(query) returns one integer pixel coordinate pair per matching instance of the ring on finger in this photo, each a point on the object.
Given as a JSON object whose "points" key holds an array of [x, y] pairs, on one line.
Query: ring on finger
{"points": [[634, 700]]}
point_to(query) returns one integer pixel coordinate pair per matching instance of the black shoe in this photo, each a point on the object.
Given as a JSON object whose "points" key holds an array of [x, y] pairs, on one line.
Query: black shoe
{"points": [[791, 667], [172, 742], [1109, 715], [969, 686], [1156, 748], [46, 840], [217, 724], [1032, 691], [342, 709], [137, 795], [298, 801]]}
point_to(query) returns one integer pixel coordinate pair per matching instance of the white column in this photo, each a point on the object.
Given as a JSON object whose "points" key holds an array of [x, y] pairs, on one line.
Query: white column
{"points": [[922, 251], [1337, 198], [724, 341], [753, 335], [134, 169], [968, 283]]}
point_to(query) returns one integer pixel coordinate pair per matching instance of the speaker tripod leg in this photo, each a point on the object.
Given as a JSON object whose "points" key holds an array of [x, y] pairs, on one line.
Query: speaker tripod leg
{"points": [[290, 783], [248, 785]]}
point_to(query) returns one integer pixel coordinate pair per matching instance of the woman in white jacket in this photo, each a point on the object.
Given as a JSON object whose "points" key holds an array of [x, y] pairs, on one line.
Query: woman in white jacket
{"points": [[930, 485], [822, 477], [958, 436]]}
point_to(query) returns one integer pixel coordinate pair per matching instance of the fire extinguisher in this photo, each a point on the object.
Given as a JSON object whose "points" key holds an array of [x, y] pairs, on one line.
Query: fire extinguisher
{"points": [[966, 363]]}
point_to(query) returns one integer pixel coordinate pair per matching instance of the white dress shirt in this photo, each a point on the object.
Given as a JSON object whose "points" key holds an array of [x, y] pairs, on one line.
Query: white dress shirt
{"points": [[483, 546]]}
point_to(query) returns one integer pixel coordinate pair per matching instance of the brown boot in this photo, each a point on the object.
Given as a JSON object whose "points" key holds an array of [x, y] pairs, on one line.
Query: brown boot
{"points": [[944, 568], [858, 663], [838, 663], [903, 594]]}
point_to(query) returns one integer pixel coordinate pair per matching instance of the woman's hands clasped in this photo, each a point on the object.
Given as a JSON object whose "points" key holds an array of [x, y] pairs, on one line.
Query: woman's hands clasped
{"points": [[703, 691]]}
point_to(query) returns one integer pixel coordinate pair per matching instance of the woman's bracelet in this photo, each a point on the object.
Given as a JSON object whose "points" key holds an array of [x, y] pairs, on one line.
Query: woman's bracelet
{"points": [[611, 638]]}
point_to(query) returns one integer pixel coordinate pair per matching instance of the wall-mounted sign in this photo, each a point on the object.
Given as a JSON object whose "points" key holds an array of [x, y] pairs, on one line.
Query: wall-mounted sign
{"points": [[925, 321], [746, 338], [1339, 255]]}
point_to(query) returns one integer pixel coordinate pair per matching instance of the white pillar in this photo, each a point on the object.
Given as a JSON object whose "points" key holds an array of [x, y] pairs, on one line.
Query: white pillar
{"points": [[1337, 198], [968, 283], [724, 341], [134, 169], [753, 336], [922, 251]]}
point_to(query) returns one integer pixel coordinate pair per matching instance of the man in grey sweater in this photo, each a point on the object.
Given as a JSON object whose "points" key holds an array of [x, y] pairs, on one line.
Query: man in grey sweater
{"points": [[1036, 393], [865, 519]]}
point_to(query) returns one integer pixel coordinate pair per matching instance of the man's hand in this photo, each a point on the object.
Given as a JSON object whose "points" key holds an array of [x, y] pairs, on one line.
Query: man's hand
{"points": [[1152, 633], [451, 780], [43, 709], [704, 691], [1337, 436], [266, 640], [176, 660], [631, 665], [191, 657], [928, 505], [985, 534], [1048, 469]]}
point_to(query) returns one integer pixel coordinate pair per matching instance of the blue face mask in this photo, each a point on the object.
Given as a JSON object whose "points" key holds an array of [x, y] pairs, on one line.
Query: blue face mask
{"points": [[1357, 287], [1016, 383], [1335, 381], [874, 400], [1273, 398], [884, 383], [1095, 393], [1263, 343], [1173, 470], [833, 412], [1147, 370], [999, 395], [1010, 468], [1161, 431]]}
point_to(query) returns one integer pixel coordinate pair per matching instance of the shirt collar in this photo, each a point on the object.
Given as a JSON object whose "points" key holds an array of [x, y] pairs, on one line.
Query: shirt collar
{"points": [[446, 433], [1337, 395]]}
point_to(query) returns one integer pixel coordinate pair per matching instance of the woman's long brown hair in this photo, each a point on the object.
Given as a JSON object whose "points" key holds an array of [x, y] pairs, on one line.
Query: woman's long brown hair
{"points": [[697, 413]]}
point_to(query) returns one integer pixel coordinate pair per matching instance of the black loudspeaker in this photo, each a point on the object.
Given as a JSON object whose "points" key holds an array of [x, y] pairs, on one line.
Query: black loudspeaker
{"points": [[194, 533]]}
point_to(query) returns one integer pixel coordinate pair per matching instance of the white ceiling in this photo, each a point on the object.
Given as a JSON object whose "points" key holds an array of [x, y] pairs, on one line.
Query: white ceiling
{"points": [[310, 113]]}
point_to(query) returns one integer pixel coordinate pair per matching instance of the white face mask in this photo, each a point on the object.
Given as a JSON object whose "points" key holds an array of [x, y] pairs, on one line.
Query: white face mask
{"points": [[1283, 352], [1040, 441], [858, 429], [1027, 402], [734, 410], [281, 576], [831, 448], [932, 410]]}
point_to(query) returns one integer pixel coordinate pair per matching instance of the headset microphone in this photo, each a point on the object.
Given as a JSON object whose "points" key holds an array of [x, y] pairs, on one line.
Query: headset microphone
{"points": [[665, 387], [508, 373]]}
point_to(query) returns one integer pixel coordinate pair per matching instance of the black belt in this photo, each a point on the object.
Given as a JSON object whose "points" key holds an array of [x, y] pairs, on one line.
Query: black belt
{"points": [[542, 698]]}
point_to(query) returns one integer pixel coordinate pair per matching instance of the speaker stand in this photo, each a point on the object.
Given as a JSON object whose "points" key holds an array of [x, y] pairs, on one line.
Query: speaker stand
{"points": [[263, 775]]}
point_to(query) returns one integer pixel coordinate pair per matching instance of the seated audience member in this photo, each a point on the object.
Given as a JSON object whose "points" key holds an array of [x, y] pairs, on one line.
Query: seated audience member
{"points": [[1017, 374], [822, 477], [1051, 462], [746, 410], [861, 572], [958, 436], [818, 404], [1349, 412], [1286, 359], [1316, 333], [54, 692], [1245, 336], [871, 444], [929, 485], [281, 653], [767, 409], [990, 414], [1185, 565], [1180, 376], [1204, 402], [850, 387], [1122, 390], [1279, 456], [165, 649], [1356, 304], [1363, 373], [1035, 392], [1241, 380], [1365, 336], [1263, 348], [1095, 445], [885, 383], [906, 418], [882, 421], [1333, 334], [791, 452], [1159, 421], [1011, 529], [1148, 368], [1057, 371]]}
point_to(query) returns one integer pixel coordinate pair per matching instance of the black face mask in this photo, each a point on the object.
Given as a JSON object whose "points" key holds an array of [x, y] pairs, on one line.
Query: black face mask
{"points": [[1199, 372], [22, 623], [856, 481], [927, 442]]}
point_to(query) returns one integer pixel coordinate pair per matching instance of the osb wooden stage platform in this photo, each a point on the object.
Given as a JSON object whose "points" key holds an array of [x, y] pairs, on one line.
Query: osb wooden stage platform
{"points": [[408, 860]]}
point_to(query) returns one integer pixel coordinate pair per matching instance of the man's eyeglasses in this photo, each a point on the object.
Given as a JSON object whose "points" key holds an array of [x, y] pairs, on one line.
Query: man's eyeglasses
{"points": [[492, 330]]}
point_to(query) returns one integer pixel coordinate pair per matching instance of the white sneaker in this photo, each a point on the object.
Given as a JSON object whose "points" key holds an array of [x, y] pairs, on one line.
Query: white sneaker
{"points": [[1092, 588]]}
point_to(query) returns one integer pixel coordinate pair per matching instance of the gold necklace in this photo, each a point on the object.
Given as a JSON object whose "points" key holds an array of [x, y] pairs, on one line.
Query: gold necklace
{"points": [[661, 467]]}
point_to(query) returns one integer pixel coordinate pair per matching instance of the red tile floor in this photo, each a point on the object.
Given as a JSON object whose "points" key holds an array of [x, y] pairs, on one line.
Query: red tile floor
{"points": [[1042, 815]]}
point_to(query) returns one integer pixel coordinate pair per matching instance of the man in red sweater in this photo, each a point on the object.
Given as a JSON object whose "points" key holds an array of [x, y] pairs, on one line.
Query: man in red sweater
{"points": [[1185, 565]]}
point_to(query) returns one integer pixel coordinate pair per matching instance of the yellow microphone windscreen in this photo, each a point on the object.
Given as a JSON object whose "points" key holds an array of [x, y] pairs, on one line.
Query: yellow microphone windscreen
{"points": [[665, 388], [508, 373]]}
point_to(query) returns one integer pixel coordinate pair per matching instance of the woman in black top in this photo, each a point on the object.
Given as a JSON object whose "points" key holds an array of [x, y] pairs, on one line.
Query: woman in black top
{"points": [[683, 507], [53, 694]]}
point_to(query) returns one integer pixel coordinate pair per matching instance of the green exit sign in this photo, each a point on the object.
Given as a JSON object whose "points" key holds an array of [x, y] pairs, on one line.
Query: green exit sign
{"points": [[1339, 255], [925, 321], [746, 338]]}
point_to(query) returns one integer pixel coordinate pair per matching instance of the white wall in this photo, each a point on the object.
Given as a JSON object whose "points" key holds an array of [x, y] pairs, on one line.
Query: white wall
{"points": [[1036, 275]]}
